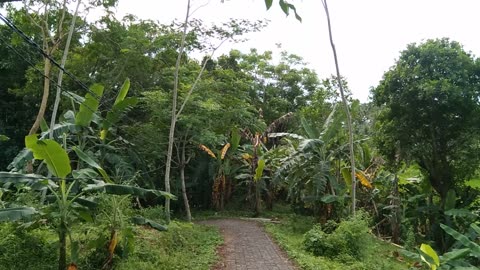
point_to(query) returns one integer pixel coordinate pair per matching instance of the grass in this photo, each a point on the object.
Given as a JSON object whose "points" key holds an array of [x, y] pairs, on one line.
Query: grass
{"points": [[35, 249], [183, 246], [289, 234]]}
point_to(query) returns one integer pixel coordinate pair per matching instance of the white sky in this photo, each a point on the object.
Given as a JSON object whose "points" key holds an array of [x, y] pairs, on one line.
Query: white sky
{"points": [[369, 34]]}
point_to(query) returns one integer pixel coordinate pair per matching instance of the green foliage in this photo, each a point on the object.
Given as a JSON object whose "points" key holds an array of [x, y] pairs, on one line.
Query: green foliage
{"points": [[463, 240], [349, 241], [22, 249], [378, 254], [89, 106], [52, 153], [17, 213], [430, 112], [285, 6], [183, 246]]}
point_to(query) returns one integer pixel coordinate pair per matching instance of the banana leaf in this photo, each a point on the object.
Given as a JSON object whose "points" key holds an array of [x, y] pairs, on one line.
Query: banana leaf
{"points": [[17, 213]]}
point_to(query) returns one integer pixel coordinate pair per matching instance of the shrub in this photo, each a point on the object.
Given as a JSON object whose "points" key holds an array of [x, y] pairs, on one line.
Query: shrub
{"points": [[27, 249], [347, 242]]}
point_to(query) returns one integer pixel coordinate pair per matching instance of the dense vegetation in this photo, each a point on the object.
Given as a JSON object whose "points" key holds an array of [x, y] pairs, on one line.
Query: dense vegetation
{"points": [[91, 168]]}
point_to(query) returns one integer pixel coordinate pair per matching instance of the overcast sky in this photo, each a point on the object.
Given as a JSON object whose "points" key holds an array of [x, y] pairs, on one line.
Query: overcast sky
{"points": [[369, 34]]}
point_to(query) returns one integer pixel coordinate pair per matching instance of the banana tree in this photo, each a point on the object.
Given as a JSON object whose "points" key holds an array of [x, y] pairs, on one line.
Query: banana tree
{"points": [[222, 184], [86, 130], [69, 189], [219, 187], [70, 194]]}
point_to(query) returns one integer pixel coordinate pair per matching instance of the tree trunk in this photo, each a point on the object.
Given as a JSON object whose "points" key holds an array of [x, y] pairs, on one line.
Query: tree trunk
{"points": [[62, 237], [347, 110], [171, 134], [222, 193], [395, 219], [60, 73], [184, 194], [184, 189], [46, 91]]}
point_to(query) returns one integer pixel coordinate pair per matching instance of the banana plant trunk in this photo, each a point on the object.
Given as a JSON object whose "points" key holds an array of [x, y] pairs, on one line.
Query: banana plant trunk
{"points": [[62, 237]]}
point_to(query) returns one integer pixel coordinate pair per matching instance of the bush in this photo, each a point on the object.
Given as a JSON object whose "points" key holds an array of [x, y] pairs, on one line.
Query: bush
{"points": [[156, 213], [347, 242], [27, 249]]}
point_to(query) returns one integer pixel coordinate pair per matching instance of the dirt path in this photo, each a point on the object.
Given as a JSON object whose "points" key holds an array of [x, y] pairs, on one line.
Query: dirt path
{"points": [[248, 247]]}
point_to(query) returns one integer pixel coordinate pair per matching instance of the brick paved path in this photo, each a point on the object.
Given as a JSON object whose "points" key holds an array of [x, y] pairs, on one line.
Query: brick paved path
{"points": [[248, 247]]}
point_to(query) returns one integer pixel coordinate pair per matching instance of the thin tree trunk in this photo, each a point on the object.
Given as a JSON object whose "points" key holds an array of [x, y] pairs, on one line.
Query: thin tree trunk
{"points": [[62, 236], [171, 134], [347, 110], [395, 220], [46, 90], [60, 73], [257, 198], [184, 189]]}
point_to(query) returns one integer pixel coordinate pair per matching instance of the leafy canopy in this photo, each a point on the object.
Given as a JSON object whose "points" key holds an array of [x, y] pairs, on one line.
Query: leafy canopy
{"points": [[430, 108]]}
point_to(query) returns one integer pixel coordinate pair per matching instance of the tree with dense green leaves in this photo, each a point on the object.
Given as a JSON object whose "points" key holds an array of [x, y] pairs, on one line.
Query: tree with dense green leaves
{"points": [[430, 112]]}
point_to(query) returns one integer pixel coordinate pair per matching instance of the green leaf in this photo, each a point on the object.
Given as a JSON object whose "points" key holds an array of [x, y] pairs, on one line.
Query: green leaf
{"points": [[85, 173], [473, 183], [285, 7], [474, 247], [56, 158], [243, 176], [89, 106], [85, 215], [428, 250], [268, 3], [52, 153], [128, 190], [31, 143], [450, 199], [43, 125], [259, 169], [235, 140], [34, 181], [143, 221], [455, 254], [295, 11], [74, 97], [13, 214], [475, 228], [85, 202], [89, 160], [60, 129], [329, 198], [123, 92], [311, 131], [118, 110], [462, 212], [347, 175], [4, 138], [20, 160]]}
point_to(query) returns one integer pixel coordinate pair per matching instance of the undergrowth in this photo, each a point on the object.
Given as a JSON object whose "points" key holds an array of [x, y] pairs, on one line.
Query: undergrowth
{"points": [[183, 246], [346, 245]]}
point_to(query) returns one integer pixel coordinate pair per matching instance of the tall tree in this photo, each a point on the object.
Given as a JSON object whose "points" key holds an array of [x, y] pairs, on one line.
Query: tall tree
{"points": [[345, 105], [430, 113]]}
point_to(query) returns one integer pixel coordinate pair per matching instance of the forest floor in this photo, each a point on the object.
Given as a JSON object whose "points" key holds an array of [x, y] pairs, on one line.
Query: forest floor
{"points": [[248, 247]]}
